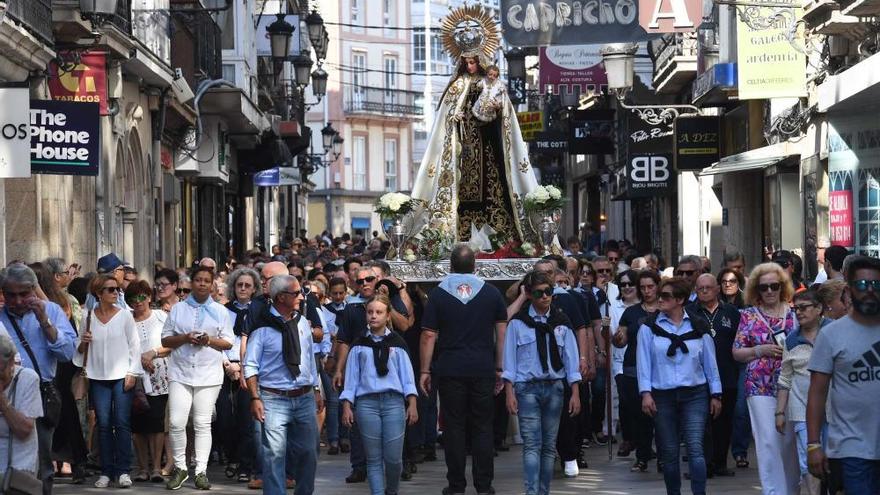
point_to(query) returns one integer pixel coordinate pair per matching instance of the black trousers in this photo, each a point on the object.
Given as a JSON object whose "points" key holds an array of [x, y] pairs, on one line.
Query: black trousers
{"points": [[572, 429], [720, 431], [642, 424], [464, 400], [597, 411], [502, 418], [234, 425], [68, 435]]}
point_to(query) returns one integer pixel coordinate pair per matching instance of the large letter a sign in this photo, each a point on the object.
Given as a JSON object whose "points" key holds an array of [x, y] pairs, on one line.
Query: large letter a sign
{"points": [[669, 16]]}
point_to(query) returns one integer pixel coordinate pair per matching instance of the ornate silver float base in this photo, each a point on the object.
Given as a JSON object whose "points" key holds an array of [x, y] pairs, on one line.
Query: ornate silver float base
{"points": [[509, 269]]}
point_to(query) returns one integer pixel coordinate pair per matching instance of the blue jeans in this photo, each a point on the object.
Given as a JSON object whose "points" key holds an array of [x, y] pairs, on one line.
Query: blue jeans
{"points": [[742, 424], [540, 404], [331, 402], [682, 414], [289, 421], [113, 415], [382, 421], [860, 476]]}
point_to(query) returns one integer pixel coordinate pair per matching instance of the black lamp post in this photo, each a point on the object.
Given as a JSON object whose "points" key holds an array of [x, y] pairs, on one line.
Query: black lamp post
{"points": [[327, 135], [302, 66], [315, 24], [280, 33], [319, 83]]}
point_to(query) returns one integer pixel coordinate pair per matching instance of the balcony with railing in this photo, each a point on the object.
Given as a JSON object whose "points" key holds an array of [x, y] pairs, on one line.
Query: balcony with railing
{"points": [[197, 50], [122, 18], [675, 61], [382, 102], [35, 16]]}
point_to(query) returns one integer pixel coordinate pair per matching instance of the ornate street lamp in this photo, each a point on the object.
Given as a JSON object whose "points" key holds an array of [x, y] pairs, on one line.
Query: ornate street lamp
{"points": [[97, 11], [315, 24], [302, 66], [516, 63], [337, 146], [327, 135], [280, 33], [319, 83]]}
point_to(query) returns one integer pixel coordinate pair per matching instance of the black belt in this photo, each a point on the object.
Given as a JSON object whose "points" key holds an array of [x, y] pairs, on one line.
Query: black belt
{"points": [[288, 393]]}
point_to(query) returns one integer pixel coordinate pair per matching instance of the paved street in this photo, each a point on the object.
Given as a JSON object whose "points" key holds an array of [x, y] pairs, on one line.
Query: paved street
{"points": [[603, 477]]}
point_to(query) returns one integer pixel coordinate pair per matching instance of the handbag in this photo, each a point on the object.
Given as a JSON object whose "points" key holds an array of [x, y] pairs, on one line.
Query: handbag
{"points": [[48, 391], [16, 481], [79, 385]]}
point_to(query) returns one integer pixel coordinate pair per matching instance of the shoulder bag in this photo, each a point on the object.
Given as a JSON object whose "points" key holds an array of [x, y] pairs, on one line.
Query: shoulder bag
{"points": [[48, 391], [80, 383], [16, 481]]}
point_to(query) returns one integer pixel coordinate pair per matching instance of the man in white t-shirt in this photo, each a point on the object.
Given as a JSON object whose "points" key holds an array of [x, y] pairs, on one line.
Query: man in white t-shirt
{"points": [[18, 410]]}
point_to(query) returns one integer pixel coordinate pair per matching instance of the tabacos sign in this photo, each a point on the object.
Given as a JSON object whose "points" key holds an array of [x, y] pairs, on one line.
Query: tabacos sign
{"points": [[65, 137], [85, 81]]}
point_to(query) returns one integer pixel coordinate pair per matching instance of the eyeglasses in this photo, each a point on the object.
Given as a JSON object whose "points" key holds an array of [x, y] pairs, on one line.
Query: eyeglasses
{"points": [[626, 285], [161, 286], [775, 286], [244, 285], [587, 273], [685, 273], [539, 293], [864, 284], [108, 290], [704, 289], [604, 270], [294, 293], [798, 308], [9, 295], [666, 296], [183, 291], [729, 281], [137, 298], [613, 260], [368, 280]]}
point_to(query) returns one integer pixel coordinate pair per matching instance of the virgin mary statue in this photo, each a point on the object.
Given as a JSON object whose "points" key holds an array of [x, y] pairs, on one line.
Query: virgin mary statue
{"points": [[475, 171]]}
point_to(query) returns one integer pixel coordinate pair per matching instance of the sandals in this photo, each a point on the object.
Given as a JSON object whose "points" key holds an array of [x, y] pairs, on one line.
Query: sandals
{"points": [[231, 470], [141, 476], [156, 476], [742, 462]]}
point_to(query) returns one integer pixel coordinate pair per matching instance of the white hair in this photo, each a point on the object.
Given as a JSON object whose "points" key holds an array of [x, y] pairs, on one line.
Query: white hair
{"points": [[279, 284]]}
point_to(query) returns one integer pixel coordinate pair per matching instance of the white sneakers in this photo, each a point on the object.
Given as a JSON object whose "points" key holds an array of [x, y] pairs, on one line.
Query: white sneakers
{"points": [[124, 481], [571, 469], [103, 482]]}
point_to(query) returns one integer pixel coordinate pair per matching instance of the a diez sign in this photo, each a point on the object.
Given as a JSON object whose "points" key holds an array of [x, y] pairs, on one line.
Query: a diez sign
{"points": [[570, 22], [65, 138], [696, 142], [649, 159]]}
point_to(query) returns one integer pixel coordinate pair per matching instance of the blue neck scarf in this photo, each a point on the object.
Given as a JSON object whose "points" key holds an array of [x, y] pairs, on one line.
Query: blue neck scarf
{"points": [[206, 308], [462, 286]]}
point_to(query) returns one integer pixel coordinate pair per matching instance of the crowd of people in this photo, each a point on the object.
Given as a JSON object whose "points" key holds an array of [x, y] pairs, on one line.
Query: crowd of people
{"points": [[261, 364]]}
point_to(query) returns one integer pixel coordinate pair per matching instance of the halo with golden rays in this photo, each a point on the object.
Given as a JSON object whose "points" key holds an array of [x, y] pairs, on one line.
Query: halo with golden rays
{"points": [[470, 17]]}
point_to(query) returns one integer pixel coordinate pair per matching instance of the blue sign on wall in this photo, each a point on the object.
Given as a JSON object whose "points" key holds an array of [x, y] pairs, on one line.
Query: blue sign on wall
{"points": [[65, 137]]}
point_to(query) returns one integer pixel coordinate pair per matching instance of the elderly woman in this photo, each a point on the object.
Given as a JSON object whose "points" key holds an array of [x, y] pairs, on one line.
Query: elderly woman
{"points": [[20, 405], [149, 426], [677, 374], [763, 328], [834, 300], [166, 289], [198, 330], [731, 283]]}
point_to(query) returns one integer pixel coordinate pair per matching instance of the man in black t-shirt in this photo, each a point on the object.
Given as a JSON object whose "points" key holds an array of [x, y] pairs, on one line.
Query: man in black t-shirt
{"points": [[466, 319]]}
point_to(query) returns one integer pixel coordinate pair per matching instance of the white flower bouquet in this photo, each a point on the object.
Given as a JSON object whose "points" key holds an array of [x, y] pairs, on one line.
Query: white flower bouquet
{"points": [[395, 204], [543, 198]]}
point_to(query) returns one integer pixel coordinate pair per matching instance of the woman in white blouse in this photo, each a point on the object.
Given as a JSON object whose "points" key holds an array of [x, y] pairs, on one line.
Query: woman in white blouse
{"points": [[198, 330], [109, 350], [149, 426]]}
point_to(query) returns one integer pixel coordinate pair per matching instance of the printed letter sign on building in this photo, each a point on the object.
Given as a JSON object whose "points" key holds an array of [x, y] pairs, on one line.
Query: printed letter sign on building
{"points": [[768, 65], [86, 82], [649, 155], [570, 22], [670, 16], [15, 141], [65, 138]]}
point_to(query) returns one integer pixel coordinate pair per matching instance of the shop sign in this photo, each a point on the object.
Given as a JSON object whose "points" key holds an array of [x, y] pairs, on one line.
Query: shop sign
{"points": [[15, 141], [65, 137], [649, 158], [696, 141], [530, 124], [768, 64], [591, 132], [277, 176], [570, 22], [670, 16], [549, 142], [720, 75], [572, 65], [85, 82], [841, 217]]}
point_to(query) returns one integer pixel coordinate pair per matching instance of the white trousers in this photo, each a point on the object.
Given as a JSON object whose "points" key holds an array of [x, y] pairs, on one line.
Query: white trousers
{"points": [[181, 399], [778, 467]]}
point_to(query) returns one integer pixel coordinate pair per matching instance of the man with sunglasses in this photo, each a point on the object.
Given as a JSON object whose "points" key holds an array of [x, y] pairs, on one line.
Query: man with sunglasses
{"points": [[44, 337], [690, 267], [111, 264], [847, 353]]}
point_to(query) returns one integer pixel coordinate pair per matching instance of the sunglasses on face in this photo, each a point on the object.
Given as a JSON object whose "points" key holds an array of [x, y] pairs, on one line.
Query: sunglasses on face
{"points": [[539, 293], [183, 291], [244, 285], [775, 286], [294, 293], [626, 285], [139, 298], [729, 281], [613, 260], [587, 273], [800, 308], [666, 296], [604, 271], [864, 284], [108, 290], [685, 273], [368, 280]]}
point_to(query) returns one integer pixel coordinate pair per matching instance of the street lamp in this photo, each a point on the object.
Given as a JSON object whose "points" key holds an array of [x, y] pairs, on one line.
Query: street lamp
{"points": [[280, 33], [337, 146], [327, 135], [319, 83], [315, 25], [321, 47], [97, 11], [302, 66], [516, 63]]}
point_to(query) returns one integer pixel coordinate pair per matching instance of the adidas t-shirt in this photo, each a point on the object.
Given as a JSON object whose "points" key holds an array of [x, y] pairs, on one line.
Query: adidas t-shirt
{"points": [[850, 353]]}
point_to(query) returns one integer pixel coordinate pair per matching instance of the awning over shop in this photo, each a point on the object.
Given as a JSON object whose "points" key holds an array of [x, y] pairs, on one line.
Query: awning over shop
{"points": [[360, 223], [756, 159]]}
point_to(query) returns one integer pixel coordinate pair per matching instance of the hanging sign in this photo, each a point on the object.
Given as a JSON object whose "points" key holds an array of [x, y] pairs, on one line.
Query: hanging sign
{"points": [[670, 16], [15, 140], [841, 216], [277, 176], [551, 142], [570, 22], [530, 124], [65, 138], [572, 65], [649, 158], [84, 82], [696, 141], [591, 132], [768, 64]]}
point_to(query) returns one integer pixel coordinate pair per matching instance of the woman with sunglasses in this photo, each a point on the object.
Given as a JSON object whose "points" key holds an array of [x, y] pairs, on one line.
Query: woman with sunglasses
{"points": [[109, 349], [632, 419], [166, 289], [732, 283], [763, 328], [540, 359], [148, 426], [198, 330], [794, 379], [677, 373], [628, 296]]}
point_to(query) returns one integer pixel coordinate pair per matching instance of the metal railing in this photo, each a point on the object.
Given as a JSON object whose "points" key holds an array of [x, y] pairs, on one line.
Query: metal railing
{"points": [[673, 45], [374, 100], [197, 46], [122, 18], [35, 16]]}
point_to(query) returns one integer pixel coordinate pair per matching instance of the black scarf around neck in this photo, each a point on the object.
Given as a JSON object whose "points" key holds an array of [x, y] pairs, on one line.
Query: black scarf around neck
{"points": [[240, 317], [290, 344], [381, 349], [699, 327], [544, 337]]}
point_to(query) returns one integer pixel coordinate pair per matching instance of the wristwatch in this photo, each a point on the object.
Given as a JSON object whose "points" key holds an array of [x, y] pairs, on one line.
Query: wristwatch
{"points": [[716, 396]]}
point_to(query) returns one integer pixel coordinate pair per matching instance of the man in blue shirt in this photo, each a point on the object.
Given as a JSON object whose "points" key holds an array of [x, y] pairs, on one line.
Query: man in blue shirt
{"points": [[282, 377], [466, 318], [44, 337]]}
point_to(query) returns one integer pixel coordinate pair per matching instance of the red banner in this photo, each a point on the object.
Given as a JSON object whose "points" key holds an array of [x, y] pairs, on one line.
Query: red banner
{"points": [[86, 81], [841, 215]]}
